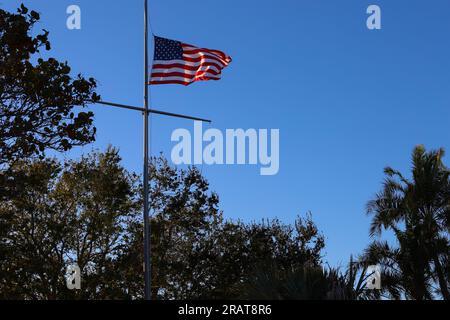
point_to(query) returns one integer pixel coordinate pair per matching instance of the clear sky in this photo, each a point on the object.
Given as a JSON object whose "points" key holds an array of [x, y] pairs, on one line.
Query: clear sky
{"points": [[348, 101]]}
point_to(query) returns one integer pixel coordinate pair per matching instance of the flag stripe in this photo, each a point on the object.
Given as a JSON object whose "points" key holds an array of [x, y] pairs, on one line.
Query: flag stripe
{"points": [[187, 48], [203, 56], [182, 75], [220, 55], [179, 80], [164, 63], [177, 66], [185, 71], [205, 59]]}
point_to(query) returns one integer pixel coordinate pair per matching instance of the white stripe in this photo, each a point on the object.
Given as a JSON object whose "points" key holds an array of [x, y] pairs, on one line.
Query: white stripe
{"points": [[188, 63], [170, 79], [202, 55], [201, 69]]}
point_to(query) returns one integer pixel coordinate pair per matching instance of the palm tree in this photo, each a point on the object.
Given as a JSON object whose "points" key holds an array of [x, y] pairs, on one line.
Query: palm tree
{"points": [[417, 212], [309, 282]]}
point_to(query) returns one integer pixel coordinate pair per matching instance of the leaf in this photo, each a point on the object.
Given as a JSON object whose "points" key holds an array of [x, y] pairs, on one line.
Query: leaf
{"points": [[35, 15], [23, 9]]}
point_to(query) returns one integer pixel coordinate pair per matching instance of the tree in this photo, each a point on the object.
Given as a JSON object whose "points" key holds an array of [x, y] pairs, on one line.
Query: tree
{"points": [[196, 254], [38, 100], [59, 214], [417, 211], [89, 212], [239, 249], [270, 281]]}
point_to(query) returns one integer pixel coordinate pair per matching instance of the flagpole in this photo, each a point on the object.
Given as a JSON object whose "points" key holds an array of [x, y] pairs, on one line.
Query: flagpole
{"points": [[146, 111], [147, 246]]}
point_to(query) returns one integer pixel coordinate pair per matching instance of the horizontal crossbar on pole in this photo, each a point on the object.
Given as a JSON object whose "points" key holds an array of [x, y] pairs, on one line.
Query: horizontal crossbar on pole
{"points": [[170, 114]]}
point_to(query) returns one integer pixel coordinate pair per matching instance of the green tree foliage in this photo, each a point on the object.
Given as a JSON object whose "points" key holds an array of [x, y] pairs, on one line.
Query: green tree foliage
{"points": [[196, 253], [270, 281], [284, 245], [38, 96], [417, 211], [58, 214], [89, 212]]}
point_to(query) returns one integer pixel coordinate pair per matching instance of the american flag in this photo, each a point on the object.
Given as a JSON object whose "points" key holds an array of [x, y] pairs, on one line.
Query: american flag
{"points": [[180, 63]]}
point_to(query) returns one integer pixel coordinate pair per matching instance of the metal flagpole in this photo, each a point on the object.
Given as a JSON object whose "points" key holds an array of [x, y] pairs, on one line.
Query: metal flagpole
{"points": [[147, 246], [146, 112]]}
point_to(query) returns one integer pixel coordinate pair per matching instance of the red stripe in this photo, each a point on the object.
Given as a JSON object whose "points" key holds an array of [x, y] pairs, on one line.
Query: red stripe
{"points": [[168, 73], [222, 65], [216, 52], [207, 56], [185, 83], [221, 56], [206, 79], [170, 82], [183, 66], [179, 74]]}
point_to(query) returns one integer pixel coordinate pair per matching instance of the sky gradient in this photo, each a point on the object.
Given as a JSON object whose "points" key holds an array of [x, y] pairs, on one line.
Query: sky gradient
{"points": [[348, 101]]}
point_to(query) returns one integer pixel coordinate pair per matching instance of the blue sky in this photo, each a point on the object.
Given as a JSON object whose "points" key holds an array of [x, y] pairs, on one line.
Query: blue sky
{"points": [[348, 101]]}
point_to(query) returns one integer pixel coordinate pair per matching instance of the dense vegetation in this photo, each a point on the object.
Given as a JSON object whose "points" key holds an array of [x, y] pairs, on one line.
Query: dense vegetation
{"points": [[89, 212]]}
